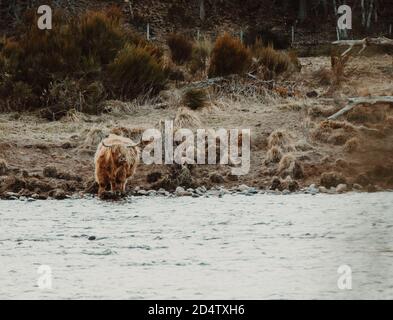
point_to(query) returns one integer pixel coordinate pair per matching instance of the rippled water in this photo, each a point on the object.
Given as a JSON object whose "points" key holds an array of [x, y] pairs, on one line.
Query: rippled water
{"points": [[235, 247]]}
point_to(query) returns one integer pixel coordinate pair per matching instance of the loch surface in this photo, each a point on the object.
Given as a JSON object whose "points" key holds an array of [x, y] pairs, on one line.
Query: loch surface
{"points": [[234, 247]]}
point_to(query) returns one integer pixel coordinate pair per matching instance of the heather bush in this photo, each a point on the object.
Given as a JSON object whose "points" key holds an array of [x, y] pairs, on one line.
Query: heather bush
{"points": [[271, 62], [181, 48], [72, 63], [135, 71], [229, 56]]}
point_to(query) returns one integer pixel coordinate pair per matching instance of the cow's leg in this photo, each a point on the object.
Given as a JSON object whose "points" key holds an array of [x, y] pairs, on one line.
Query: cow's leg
{"points": [[123, 187], [113, 186], [102, 181]]}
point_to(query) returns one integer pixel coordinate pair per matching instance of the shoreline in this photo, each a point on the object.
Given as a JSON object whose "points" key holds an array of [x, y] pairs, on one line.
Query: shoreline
{"points": [[199, 192]]}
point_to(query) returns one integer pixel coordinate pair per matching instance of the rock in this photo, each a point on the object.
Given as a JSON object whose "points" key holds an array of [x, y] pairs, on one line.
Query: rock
{"points": [[50, 172], [332, 190], [275, 184], [200, 191], [312, 189], [3, 167], [12, 195], [216, 178], [252, 191], [152, 193], [142, 192], [180, 192], [341, 188], [322, 189], [58, 194], [357, 187], [161, 191], [332, 179], [91, 238], [242, 187]]}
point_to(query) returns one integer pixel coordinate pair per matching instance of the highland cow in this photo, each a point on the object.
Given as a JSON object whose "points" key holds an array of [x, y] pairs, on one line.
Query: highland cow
{"points": [[116, 160]]}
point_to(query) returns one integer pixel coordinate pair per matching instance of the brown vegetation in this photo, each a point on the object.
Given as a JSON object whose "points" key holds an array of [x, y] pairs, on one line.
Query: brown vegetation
{"points": [[229, 56], [195, 98], [181, 48]]}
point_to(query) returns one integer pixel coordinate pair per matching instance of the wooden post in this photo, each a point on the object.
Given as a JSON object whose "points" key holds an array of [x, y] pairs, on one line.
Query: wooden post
{"points": [[130, 7], [390, 30], [241, 36], [148, 32], [293, 35], [198, 34]]}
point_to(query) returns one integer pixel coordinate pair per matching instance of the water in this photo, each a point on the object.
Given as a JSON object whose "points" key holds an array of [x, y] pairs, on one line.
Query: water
{"points": [[235, 247]]}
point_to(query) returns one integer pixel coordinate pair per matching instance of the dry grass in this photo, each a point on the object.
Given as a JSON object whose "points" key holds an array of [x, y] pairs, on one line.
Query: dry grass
{"points": [[323, 76], [3, 167], [338, 64], [134, 134], [273, 155], [201, 52], [93, 138], [282, 139], [195, 98], [185, 118], [334, 132], [367, 114], [270, 63], [290, 166], [352, 145], [332, 179]]}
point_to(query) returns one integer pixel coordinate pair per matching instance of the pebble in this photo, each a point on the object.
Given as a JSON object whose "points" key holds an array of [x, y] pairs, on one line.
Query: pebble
{"points": [[312, 189], [180, 192], [342, 187]]}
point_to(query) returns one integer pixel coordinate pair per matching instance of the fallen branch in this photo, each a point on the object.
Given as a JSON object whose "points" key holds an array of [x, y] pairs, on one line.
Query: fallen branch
{"points": [[381, 41], [353, 102]]}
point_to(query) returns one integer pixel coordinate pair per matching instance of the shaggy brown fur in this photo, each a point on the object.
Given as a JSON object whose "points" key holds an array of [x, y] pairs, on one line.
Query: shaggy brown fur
{"points": [[116, 160]]}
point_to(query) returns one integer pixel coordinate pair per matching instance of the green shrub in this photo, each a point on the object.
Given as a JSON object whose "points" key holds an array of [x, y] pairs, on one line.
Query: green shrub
{"points": [[181, 48], [229, 56], [135, 71]]}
